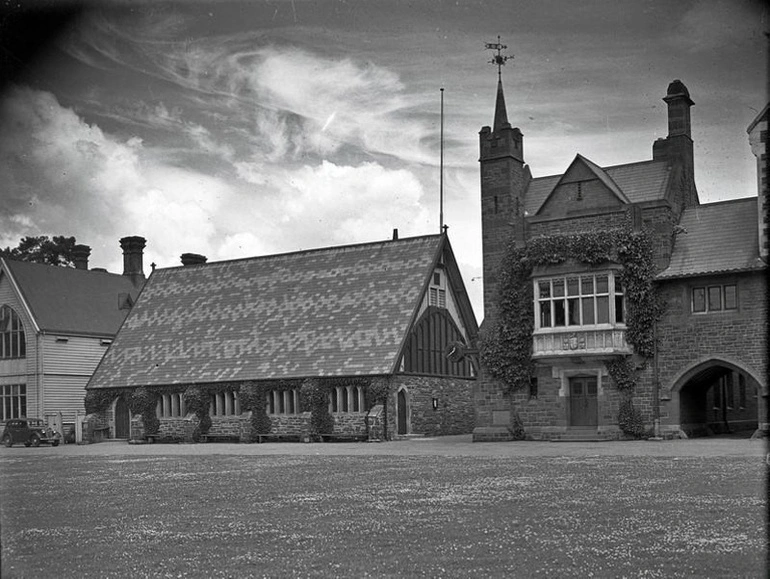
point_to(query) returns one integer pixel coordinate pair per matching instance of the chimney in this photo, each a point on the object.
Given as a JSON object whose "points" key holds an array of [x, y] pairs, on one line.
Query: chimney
{"points": [[133, 254], [395, 234], [193, 259], [677, 148], [80, 254]]}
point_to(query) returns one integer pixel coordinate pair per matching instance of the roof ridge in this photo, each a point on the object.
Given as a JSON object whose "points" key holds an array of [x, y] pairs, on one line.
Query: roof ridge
{"points": [[306, 251], [724, 201], [557, 175]]}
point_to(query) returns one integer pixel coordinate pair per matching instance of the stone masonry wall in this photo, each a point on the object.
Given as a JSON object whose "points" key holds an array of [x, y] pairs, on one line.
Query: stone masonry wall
{"points": [[739, 337], [453, 415]]}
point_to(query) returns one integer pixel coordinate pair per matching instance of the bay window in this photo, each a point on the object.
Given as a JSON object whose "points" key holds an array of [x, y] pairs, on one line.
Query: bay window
{"points": [[572, 301]]}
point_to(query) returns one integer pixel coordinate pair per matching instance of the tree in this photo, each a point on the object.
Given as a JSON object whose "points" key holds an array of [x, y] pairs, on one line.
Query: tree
{"points": [[41, 249]]}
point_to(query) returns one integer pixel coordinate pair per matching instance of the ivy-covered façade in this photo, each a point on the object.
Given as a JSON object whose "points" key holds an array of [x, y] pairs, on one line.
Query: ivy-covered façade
{"points": [[597, 323]]}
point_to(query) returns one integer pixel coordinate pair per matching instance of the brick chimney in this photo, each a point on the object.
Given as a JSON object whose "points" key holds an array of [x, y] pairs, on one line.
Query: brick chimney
{"points": [[193, 259], [80, 255], [677, 148], [133, 255]]}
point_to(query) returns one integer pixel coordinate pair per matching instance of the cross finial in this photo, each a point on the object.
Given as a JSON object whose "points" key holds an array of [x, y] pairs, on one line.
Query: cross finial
{"points": [[499, 59]]}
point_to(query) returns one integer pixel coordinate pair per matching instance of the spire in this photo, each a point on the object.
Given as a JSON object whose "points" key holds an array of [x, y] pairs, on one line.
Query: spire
{"points": [[501, 115], [499, 60]]}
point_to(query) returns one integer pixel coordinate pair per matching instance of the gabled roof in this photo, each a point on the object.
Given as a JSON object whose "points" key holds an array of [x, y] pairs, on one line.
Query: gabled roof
{"points": [[71, 301], [339, 311], [721, 238], [638, 182]]}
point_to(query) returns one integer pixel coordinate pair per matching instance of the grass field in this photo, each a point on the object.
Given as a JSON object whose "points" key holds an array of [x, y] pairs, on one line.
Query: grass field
{"points": [[381, 516]]}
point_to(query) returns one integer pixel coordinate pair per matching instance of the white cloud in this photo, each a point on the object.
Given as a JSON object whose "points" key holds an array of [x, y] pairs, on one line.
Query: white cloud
{"points": [[330, 204]]}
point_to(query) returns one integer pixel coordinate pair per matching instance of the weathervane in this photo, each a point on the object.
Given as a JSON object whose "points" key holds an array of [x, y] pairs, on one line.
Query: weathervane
{"points": [[499, 59]]}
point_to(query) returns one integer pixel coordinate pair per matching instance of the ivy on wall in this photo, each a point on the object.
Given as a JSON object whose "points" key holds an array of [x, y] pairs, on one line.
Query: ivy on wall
{"points": [[506, 343], [252, 395]]}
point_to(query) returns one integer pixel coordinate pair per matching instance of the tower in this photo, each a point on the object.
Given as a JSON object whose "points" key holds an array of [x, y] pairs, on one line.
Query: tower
{"points": [[504, 180]]}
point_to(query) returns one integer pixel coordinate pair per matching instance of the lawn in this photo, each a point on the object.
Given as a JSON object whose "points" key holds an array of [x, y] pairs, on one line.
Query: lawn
{"points": [[381, 516]]}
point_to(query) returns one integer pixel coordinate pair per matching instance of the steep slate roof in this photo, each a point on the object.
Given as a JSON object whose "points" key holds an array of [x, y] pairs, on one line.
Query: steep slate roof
{"points": [[639, 182], [339, 311], [71, 301], [721, 237]]}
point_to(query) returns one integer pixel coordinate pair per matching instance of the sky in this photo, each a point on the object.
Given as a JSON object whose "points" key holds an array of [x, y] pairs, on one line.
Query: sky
{"points": [[238, 129]]}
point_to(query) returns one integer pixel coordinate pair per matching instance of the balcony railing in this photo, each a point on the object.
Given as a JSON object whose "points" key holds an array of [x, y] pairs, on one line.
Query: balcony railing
{"points": [[580, 342]]}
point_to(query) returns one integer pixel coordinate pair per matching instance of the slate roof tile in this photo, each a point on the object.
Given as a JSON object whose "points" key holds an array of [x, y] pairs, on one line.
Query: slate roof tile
{"points": [[340, 311], [721, 237], [72, 301]]}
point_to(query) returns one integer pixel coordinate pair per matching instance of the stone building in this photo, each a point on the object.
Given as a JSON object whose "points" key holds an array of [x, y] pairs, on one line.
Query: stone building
{"points": [[643, 311], [354, 341], [55, 325]]}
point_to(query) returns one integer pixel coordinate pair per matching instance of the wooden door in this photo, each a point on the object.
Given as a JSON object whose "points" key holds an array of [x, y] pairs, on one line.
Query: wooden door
{"points": [[584, 408], [401, 412], [122, 419]]}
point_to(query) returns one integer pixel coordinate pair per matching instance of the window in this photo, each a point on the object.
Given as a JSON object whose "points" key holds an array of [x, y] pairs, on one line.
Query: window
{"points": [[346, 399], [171, 406], [225, 404], [283, 402], [12, 341], [436, 293], [741, 391], [14, 400], [714, 298], [579, 300]]}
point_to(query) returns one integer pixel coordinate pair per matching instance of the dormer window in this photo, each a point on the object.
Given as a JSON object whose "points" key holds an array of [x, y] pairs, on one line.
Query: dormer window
{"points": [[579, 300]]}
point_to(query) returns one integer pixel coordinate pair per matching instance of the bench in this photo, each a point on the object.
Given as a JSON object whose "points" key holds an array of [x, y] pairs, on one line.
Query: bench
{"points": [[343, 437], [279, 437], [220, 438], [101, 432]]}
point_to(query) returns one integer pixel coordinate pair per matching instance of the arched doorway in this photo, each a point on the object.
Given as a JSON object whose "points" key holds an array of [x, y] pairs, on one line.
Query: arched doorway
{"points": [[719, 397], [402, 412], [122, 419]]}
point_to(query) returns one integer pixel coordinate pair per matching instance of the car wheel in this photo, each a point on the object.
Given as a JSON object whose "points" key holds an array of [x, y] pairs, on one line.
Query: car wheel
{"points": [[55, 443], [7, 441], [34, 440]]}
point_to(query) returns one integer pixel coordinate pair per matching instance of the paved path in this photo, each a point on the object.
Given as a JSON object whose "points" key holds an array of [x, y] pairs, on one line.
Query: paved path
{"points": [[441, 446]]}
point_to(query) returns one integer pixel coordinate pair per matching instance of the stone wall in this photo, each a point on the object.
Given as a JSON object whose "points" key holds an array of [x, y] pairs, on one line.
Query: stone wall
{"points": [[453, 414]]}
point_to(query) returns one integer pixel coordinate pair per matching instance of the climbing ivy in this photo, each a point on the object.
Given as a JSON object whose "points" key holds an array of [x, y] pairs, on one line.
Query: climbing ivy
{"points": [[506, 343], [314, 396], [144, 401]]}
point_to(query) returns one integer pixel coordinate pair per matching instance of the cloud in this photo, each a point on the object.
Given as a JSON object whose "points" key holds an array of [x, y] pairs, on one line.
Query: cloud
{"points": [[330, 204]]}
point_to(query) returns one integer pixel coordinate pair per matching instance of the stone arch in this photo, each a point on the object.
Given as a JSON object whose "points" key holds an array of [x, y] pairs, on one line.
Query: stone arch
{"points": [[702, 397], [684, 376]]}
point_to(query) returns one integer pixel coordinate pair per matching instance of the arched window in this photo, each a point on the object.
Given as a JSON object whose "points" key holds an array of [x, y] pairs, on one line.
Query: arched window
{"points": [[225, 404], [12, 341]]}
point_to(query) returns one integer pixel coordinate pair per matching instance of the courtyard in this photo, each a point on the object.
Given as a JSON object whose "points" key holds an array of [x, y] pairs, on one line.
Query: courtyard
{"points": [[438, 507]]}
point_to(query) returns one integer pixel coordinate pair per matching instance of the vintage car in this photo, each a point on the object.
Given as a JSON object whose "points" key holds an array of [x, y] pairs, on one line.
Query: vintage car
{"points": [[30, 431]]}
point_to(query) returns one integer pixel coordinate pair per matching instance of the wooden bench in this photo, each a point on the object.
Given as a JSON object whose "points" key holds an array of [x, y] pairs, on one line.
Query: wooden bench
{"points": [[220, 438], [279, 437], [340, 437], [101, 432]]}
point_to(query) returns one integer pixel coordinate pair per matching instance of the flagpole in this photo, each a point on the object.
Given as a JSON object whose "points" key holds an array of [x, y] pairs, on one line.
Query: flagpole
{"points": [[441, 169]]}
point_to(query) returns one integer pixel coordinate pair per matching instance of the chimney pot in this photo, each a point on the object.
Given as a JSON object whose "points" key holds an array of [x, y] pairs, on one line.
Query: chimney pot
{"points": [[395, 234], [80, 254], [133, 255], [193, 259]]}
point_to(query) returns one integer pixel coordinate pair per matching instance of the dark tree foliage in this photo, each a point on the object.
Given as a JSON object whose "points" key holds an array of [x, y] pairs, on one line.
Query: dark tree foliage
{"points": [[42, 249]]}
